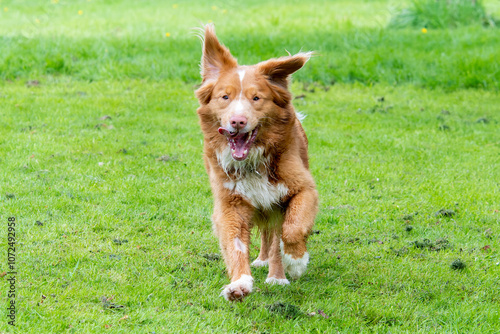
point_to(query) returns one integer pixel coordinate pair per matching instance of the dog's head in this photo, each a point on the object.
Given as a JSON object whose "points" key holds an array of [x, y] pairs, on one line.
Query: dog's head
{"points": [[244, 102]]}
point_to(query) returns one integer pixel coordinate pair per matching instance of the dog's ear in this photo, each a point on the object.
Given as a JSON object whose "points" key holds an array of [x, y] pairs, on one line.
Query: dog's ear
{"points": [[204, 93], [216, 57], [277, 72]]}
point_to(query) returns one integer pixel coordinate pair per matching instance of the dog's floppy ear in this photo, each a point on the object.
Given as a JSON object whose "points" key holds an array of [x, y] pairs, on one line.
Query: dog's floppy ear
{"points": [[204, 93], [216, 57], [277, 72]]}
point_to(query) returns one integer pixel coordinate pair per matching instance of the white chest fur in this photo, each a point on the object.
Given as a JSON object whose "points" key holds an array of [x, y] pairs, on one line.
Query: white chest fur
{"points": [[258, 190], [251, 184]]}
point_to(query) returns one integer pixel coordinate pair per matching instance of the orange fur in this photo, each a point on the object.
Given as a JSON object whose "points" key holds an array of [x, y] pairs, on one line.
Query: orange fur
{"points": [[272, 187]]}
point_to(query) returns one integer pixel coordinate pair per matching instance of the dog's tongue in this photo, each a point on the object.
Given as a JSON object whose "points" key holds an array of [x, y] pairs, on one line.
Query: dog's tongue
{"points": [[226, 132], [239, 142]]}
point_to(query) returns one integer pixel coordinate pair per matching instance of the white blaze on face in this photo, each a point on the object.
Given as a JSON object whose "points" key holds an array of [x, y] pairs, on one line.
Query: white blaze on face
{"points": [[239, 106], [241, 73], [239, 109]]}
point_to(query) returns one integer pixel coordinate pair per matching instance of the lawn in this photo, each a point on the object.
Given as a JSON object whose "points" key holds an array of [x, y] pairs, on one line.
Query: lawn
{"points": [[101, 165]]}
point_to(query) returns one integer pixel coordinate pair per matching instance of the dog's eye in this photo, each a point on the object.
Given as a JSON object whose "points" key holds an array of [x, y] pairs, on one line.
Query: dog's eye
{"points": [[225, 97], [256, 98]]}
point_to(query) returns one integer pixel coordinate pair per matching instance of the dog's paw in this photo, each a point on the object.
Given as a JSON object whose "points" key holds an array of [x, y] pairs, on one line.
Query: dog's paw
{"points": [[279, 281], [260, 263], [295, 267], [238, 289]]}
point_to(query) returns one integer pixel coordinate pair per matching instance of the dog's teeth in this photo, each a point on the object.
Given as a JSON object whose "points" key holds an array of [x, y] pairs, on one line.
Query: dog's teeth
{"points": [[245, 152]]}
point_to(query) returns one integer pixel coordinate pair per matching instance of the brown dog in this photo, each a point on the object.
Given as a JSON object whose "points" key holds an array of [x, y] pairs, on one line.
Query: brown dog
{"points": [[255, 152]]}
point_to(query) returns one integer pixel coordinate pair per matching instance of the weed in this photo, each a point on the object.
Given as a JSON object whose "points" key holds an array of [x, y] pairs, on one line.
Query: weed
{"points": [[409, 217], [425, 296], [458, 264], [438, 245], [120, 241], [445, 213], [212, 257], [286, 310], [107, 304]]}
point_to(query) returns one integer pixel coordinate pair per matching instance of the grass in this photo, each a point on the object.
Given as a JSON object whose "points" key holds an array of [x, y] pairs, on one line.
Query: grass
{"points": [[113, 212], [123, 39], [443, 14]]}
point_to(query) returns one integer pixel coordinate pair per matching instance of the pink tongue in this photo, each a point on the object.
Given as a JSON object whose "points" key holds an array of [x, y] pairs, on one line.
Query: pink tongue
{"points": [[223, 131]]}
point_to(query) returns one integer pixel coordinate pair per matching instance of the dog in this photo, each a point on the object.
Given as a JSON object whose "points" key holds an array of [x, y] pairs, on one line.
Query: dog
{"points": [[256, 157]]}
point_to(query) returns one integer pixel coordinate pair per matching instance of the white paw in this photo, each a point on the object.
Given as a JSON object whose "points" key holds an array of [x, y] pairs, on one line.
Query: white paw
{"points": [[259, 263], [238, 289], [295, 267], [279, 281]]}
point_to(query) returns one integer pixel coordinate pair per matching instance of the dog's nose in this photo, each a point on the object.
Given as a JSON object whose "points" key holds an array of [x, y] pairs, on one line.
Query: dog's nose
{"points": [[238, 122]]}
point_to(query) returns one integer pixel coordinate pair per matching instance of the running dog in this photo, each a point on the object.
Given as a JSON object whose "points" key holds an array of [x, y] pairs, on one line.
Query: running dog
{"points": [[255, 153]]}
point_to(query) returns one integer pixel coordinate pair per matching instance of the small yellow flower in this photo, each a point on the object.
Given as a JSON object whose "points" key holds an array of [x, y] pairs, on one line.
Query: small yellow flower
{"points": [[424, 31], [37, 20], [224, 11], [210, 21], [174, 6], [167, 34], [5, 9], [80, 12], [55, 1], [214, 7]]}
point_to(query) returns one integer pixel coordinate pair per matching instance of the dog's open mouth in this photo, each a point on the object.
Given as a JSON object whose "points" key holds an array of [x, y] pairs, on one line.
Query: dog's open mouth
{"points": [[240, 143]]}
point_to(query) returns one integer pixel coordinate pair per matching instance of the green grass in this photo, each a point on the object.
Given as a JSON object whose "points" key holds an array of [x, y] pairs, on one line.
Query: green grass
{"points": [[123, 39], [443, 14], [123, 202]]}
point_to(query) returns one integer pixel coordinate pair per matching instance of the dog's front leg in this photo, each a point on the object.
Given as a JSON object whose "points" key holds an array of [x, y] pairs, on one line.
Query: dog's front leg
{"points": [[232, 219], [299, 220]]}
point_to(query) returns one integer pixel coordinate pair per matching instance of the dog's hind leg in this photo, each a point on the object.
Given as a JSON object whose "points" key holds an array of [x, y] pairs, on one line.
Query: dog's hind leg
{"points": [[299, 220], [276, 273], [263, 259]]}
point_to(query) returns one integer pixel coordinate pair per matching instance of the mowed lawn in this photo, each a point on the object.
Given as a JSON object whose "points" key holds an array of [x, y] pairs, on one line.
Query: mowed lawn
{"points": [[101, 164]]}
